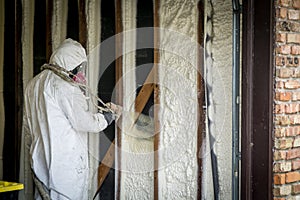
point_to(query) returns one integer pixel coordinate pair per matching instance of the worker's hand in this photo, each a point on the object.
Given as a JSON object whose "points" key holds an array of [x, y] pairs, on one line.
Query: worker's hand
{"points": [[116, 109]]}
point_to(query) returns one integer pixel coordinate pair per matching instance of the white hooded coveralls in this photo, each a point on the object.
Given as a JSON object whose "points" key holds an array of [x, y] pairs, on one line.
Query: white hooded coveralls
{"points": [[56, 121]]}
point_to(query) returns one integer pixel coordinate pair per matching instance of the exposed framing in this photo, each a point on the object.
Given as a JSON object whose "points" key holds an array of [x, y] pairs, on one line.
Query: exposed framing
{"points": [[200, 95], [82, 23], [119, 93], [257, 100], [49, 13], [156, 96]]}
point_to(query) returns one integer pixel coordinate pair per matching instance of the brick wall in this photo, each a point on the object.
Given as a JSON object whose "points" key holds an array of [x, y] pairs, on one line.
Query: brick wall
{"points": [[287, 101]]}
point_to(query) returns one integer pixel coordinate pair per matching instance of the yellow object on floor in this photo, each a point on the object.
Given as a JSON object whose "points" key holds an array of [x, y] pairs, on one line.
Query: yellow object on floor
{"points": [[10, 186]]}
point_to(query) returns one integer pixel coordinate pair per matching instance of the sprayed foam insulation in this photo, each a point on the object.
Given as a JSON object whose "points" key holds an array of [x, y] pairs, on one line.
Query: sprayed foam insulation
{"points": [[93, 16], [59, 22], [178, 100], [2, 114], [27, 40], [137, 146], [177, 78], [219, 78]]}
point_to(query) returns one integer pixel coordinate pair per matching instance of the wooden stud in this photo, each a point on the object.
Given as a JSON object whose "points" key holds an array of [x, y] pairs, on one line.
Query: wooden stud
{"points": [[156, 96], [49, 13], [201, 95], [119, 94], [82, 23]]}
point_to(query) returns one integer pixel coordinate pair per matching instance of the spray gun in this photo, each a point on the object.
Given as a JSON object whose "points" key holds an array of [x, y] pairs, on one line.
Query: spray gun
{"points": [[75, 79]]}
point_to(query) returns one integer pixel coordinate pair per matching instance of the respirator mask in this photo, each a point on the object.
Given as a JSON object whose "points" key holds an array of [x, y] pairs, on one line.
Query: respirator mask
{"points": [[78, 73]]}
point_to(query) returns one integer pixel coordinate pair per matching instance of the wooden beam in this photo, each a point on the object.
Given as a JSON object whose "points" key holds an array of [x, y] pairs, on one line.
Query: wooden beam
{"points": [[119, 89], [49, 12], [201, 95], [108, 159], [82, 23], [156, 96], [18, 85]]}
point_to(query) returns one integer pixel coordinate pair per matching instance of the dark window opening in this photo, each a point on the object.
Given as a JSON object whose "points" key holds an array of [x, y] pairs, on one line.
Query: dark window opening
{"points": [[73, 20], [39, 34], [144, 48]]}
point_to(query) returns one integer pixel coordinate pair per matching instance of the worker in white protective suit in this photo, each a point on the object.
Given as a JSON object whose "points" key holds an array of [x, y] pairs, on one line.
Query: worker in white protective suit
{"points": [[55, 125]]}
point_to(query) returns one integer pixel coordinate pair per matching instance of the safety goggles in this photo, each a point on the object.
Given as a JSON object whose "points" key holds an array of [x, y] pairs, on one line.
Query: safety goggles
{"points": [[79, 68]]}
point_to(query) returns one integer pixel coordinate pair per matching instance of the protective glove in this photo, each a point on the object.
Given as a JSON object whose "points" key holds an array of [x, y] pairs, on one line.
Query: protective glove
{"points": [[109, 117], [116, 109]]}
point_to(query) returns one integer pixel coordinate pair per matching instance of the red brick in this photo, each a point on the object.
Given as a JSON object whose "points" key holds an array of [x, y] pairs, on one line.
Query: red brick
{"points": [[280, 132], [293, 38], [296, 4], [292, 131], [284, 49], [282, 120], [294, 119], [279, 84], [296, 142], [292, 177], [296, 96], [279, 198], [284, 3], [295, 50], [294, 14], [292, 84], [283, 96], [281, 37], [279, 179], [295, 26], [280, 108], [282, 13], [280, 60], [289, 61], [292, 108], [282, 167], [284, 73], [296, 73], [283, 190], [293, 153], [284, 143], [296, 189], [279, 155], [295, 164]]}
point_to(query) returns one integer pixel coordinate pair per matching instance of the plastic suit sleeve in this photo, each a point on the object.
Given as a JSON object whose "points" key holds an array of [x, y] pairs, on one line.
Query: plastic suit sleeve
{"points": [[74, 105]]}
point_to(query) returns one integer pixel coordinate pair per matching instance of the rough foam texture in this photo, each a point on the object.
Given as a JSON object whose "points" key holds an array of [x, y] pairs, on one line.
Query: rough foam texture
{"points": [[178, 98], [27, 40], [137, 157], [219, 83], [1, 85], [93, 46], [59, 22]]}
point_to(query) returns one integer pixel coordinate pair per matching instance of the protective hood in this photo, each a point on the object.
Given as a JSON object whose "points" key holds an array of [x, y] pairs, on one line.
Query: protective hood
{"points": [[68, 55]]}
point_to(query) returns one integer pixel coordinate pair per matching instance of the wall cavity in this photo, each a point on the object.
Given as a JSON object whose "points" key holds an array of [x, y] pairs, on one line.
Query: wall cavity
{"points": [[178, 98], [93, 16], [2, 114], [137, 147]]}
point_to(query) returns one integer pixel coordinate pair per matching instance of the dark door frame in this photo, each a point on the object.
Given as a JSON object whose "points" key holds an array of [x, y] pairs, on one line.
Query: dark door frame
{"points": [[257, 100]]}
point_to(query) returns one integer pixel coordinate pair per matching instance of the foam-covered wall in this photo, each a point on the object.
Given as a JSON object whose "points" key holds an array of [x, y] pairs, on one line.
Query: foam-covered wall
{"points": [[93, 16], [177, 159], [59, 21], [178, 99], [219, 75], [136, 154]]}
